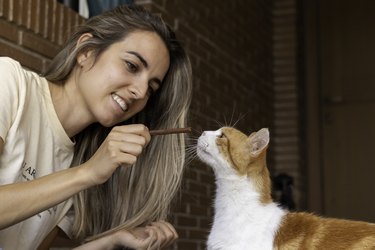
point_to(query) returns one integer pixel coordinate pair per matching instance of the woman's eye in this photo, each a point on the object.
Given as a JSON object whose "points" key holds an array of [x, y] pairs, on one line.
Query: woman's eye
{"points": [[152, 88], [131, 67]]}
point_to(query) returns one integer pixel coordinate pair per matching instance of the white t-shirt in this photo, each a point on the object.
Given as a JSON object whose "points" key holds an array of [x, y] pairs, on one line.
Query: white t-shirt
{"points": [[35, 144]]}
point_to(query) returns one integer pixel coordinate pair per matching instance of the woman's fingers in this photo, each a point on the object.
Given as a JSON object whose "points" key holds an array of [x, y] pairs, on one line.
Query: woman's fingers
{"points": [[157, 235], [171, 233], [137, 239], [121, 148], [125, 147], [124, 137], [136, 132], [165, 234], [125, 143]]}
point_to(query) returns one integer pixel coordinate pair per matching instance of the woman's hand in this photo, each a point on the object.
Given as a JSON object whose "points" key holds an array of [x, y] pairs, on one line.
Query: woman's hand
{"points": [[158, 235], [121, 148]]}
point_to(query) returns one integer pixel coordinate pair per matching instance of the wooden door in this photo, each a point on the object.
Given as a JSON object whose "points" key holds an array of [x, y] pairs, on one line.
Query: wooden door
{"points": [[346, 59]]}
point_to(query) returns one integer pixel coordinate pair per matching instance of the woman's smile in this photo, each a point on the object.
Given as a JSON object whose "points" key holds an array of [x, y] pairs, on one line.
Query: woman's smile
{"points": [[120, 101], [123, 75]]}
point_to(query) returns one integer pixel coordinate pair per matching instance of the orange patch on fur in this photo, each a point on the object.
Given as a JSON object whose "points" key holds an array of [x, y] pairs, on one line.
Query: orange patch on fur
{"points": [[236, 149], [307, 231]]}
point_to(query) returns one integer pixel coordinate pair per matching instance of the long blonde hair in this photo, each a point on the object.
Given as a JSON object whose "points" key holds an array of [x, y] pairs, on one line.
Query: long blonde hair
{"points": [[140, 194]]}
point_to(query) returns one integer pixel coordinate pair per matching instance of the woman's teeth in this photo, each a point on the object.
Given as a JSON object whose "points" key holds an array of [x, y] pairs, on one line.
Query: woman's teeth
{"points": [[120, 102]]}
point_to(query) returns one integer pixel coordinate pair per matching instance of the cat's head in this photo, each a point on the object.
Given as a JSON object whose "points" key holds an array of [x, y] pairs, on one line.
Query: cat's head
{"points": [[232, 153]]}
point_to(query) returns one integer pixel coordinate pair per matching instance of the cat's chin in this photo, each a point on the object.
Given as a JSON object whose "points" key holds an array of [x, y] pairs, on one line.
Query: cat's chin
{"points": [[203, 155]]}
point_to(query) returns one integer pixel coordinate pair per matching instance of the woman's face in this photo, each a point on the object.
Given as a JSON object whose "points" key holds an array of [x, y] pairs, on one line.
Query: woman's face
{"points": [[119, 83]]}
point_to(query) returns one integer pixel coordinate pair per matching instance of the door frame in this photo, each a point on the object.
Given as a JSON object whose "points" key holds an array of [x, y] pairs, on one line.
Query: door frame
{"points": [[313, 119]]}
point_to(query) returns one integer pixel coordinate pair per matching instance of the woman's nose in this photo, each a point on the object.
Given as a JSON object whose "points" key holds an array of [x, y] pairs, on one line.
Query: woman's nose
{"points": [[139, 90]]}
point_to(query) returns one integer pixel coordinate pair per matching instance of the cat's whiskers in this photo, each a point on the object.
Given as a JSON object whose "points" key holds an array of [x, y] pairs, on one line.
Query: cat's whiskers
{"points": [[220, 124], [193, 130], [238, 120], [191, 150], [232, 116], [190, 157]]}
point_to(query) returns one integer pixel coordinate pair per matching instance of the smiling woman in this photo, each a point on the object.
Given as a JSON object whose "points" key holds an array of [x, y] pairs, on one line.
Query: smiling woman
{"points": [[116, 85], [82, 130]]}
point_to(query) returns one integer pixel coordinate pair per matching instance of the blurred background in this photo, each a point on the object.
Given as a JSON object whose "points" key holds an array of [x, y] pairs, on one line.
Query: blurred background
{"points": [[303, 68]]}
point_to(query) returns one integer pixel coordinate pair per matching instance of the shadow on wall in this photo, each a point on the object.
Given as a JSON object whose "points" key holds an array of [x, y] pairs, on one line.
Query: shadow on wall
{"points": [[283, 188]]}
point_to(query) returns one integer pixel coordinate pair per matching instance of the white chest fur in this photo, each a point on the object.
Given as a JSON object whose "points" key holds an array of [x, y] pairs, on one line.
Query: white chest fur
{"points": [[240, 221]]}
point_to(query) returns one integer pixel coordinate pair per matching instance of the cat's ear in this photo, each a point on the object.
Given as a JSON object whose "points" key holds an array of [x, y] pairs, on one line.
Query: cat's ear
{"points": [[259, 141], [252, 134]]}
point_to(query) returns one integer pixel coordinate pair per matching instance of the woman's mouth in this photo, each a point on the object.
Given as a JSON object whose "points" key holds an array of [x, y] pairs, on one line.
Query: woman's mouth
{"points": [[121, 102]]}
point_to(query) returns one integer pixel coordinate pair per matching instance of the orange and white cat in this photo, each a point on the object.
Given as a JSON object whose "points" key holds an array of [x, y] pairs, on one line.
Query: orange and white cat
{"points": [[245, 215]]}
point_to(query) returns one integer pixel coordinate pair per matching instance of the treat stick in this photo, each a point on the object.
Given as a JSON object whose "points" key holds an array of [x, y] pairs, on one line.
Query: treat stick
{"points": [[170, 131]]}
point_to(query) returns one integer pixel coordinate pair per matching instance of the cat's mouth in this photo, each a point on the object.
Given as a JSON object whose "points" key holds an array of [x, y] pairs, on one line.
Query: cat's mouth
{"points": [[202, 145]]}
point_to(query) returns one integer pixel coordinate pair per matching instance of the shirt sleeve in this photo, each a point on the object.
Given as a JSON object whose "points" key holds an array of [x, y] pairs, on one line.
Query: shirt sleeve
{"points": [[10, 79]]}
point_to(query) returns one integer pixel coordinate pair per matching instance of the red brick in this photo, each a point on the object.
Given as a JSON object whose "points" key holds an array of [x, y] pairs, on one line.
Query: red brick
{"points": [[207, 178], [36, 17], [197, 187], [2, 6], [26, 13], [189, 221], [72, 23], [7, 9], [189, 197], [180, 208], [17, 12], [198, 234], [25, 57], [182, 233], [187, 245], [198, 210], [189, 174], [185, 30], [39, 45], [206, 222], [50, 20], [59, 23], [8, 31]]}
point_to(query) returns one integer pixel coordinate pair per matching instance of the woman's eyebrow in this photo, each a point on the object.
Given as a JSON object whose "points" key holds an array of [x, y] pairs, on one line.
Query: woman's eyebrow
{"points": [[144, 62]]}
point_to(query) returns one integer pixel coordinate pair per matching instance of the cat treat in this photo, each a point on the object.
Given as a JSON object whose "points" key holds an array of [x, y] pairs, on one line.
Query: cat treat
{"points": [[170, 131]]}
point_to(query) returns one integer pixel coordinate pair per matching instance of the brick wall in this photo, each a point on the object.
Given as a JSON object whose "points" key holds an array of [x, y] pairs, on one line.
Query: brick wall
{"points": [[230, 45], [32, 31]]}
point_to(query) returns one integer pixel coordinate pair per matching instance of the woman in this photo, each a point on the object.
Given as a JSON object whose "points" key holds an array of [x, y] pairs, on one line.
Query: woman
{"points": [[121, 74]]}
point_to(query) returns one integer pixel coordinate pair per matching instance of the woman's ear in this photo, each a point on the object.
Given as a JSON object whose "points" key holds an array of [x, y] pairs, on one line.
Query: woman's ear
{"points": [[86, 53]]}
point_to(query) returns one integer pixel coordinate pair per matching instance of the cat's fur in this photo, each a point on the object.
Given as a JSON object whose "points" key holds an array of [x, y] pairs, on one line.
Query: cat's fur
{"points": [[245, 215]]}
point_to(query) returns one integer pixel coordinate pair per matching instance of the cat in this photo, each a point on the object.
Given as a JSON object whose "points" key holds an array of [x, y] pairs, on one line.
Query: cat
{"points": [[245, 215]]}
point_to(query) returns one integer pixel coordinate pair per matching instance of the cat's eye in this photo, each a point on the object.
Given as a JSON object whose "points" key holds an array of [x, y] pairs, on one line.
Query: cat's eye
{"points": [[222, 136]]}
